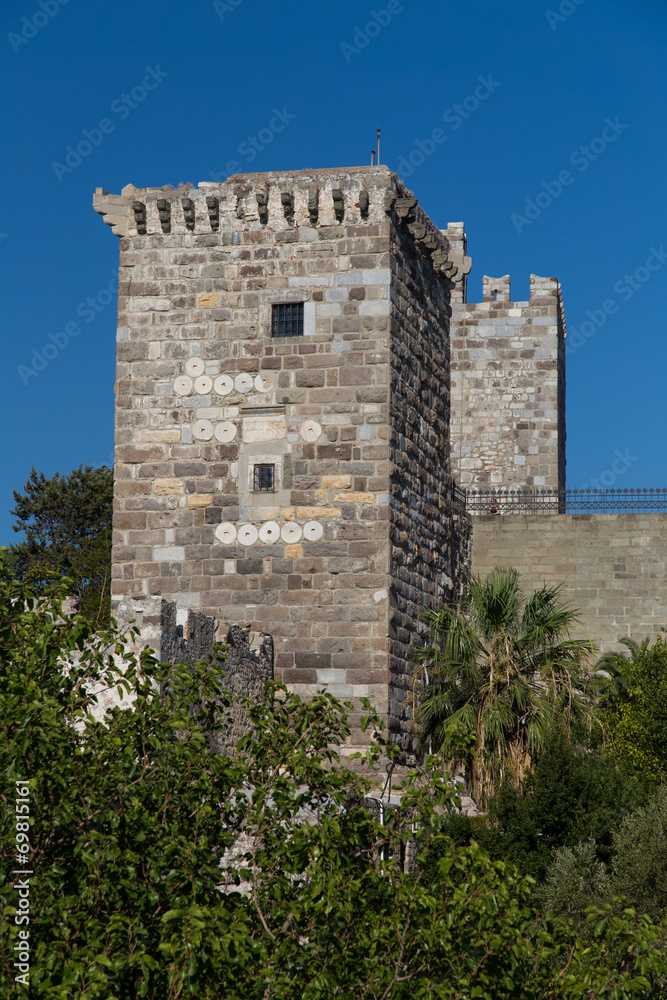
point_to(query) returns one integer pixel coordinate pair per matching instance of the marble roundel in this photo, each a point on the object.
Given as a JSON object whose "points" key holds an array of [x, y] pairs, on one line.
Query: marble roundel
{"points": [[248, 534], [269, 533], [264, 382], [195, 367], [203, 384], [226, 533], [313, 531], [225, 431], [310, 430], [291, 532], [223, 385], [183, 385], [202, 430], [244, 382]]}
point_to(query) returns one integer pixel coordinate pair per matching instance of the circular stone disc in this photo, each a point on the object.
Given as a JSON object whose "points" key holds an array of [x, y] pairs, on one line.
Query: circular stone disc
{"points": [[225, 432], [313, 531], [195, 367], [264, 382], [269, 533], [310, 430], [291, 532], [226, 533], [183, 385], [202, 430], [203, 384], [223, 385], [248, 534], [244, 382]]}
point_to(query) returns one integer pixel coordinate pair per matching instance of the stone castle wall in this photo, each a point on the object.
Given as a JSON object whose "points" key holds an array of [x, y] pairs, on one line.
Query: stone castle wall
{"points": [[427, 537], [204, 393], [613, 567], [508, 388]]}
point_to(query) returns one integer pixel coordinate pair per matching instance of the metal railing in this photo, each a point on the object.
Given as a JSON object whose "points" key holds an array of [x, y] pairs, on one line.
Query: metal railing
{"points": [[537, 501]]}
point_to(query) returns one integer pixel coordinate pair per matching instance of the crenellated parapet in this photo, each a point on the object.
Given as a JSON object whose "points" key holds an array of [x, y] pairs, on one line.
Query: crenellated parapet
{"points": [[298, 206], [508, 387]]}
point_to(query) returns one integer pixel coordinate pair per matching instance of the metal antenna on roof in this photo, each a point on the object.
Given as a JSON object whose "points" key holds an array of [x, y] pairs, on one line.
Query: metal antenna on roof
{"points": [[378, 145]]}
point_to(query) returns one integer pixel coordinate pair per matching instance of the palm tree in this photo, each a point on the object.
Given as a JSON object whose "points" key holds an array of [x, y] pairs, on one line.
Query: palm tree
{"points": [[498, 672]]}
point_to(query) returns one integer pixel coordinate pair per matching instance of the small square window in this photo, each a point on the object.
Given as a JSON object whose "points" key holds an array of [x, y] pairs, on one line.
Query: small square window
{"points": [[287, 319], [264, 478]]}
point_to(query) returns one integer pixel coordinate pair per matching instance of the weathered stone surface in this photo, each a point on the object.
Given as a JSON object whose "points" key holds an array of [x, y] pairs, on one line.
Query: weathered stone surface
{"points": [[352, 419], [508, 388]]}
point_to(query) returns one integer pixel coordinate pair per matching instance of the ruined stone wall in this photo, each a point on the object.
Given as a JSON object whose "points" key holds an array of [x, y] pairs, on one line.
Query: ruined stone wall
{"points": [[613, 567], [204, 393], [508, 388]]}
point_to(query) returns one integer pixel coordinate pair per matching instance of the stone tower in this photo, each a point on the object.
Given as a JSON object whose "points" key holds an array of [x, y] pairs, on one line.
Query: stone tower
{"points": [[508, 387], [283, 418]]}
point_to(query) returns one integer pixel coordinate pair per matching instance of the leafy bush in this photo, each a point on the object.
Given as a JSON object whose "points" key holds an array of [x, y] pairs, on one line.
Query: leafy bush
{"points": [[640, 862], [571, 795], [633, 714], [159, 869]]}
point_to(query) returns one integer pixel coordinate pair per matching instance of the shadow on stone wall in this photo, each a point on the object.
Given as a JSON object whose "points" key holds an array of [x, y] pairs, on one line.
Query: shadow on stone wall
{"points": [[245, 666]]}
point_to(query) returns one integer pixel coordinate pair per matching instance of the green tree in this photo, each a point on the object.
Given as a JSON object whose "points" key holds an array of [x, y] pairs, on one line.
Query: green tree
{"points": [[159, 869], [571, 794], [633, 710], [639, 867], [66, 522], [500, 670], [577, 879]]}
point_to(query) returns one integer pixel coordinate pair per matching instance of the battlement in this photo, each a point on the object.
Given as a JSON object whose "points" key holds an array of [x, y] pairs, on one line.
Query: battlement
{"points": [[298, 206]]}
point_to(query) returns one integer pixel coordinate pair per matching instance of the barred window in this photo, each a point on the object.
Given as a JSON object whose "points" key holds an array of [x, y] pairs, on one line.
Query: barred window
{"points": [[264, 478], [287, 319]]}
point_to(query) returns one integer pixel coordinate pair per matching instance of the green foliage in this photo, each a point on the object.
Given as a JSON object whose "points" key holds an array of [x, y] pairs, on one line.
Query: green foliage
{"points": [[134, 826], [499, 671], [576, 879], [633, 712], [639, 869], [571, 795], [66, 521]]}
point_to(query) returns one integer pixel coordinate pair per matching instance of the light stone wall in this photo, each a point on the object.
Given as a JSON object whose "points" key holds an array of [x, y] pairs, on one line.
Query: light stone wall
{"points": [[508, 388], [613, 567], [204, 393]]}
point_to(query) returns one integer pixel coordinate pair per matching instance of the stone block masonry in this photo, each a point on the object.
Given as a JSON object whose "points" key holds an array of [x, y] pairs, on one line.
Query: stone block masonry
{"points": [[613, 567], [508, 388], [298, 484]]}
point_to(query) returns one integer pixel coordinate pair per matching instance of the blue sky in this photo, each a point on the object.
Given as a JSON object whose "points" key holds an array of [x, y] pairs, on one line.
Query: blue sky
{"points": [[557, 73]]}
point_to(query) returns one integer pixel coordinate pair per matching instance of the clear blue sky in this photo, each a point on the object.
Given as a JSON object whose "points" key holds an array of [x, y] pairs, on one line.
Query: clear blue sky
{"points": [[218, 74]]}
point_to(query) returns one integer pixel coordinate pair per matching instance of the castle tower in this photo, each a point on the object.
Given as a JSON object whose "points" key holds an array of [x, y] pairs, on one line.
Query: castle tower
{"points": [[508, 388], [282, 419]]}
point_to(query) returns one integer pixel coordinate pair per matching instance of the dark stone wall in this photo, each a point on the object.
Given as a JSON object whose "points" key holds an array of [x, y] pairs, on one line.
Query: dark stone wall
{"points": [[429, 540]]}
